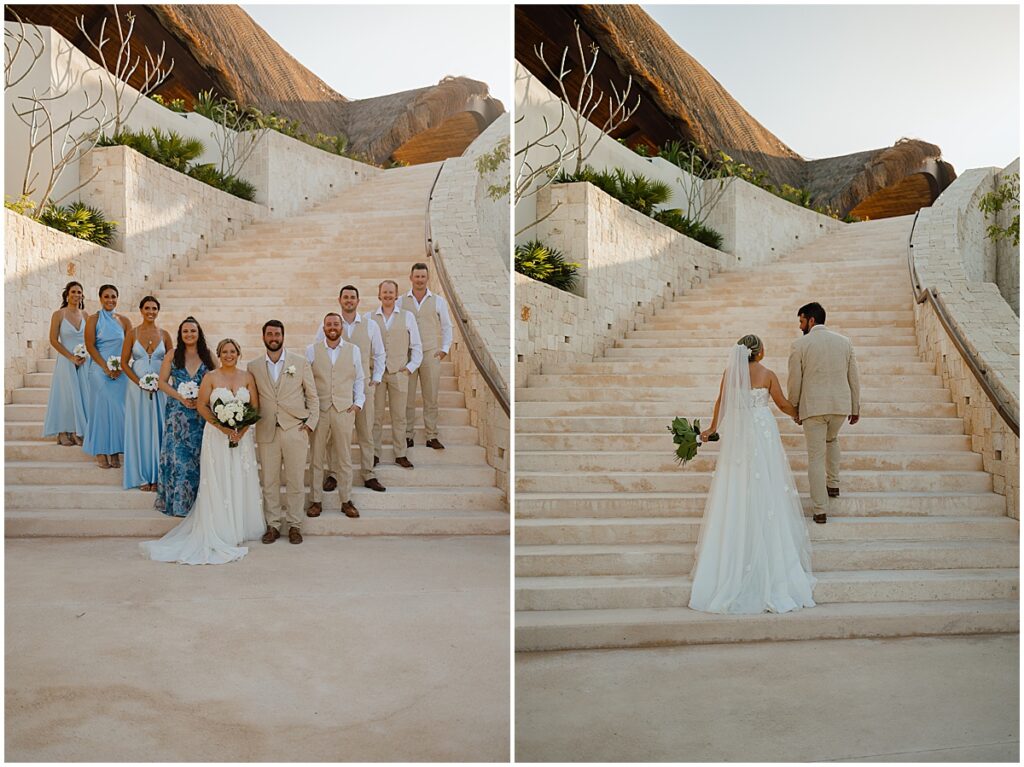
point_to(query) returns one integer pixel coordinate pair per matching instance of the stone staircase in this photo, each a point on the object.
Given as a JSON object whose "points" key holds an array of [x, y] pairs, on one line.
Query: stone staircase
{"points": [[289, 269], [607, 523]]}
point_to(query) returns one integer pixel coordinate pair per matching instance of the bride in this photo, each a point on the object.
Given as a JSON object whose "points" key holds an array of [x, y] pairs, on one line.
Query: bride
{"points": [[754, 553], [228, 508]]}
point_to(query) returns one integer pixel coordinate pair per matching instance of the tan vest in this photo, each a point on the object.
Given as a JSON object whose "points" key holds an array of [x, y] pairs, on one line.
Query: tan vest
{"points": [[396, 341], [334, 382], [427, 321], [361, 338]]}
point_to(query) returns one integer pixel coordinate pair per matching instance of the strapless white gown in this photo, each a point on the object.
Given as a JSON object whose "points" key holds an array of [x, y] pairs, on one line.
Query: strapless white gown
{"points": [[754, 552], [228, 508]]}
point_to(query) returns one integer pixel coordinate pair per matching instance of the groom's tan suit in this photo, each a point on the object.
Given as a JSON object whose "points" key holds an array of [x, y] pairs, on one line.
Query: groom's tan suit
{"points": [[825, 388], [284, 406]]}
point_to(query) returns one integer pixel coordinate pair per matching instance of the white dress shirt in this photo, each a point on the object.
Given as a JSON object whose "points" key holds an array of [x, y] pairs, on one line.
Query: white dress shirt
{"points": [[442, 313], [358, 393], [275, 368], [415, 344]]}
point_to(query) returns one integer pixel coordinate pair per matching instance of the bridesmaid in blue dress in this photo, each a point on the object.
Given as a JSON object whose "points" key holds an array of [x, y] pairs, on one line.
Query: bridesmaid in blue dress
{"points": [[104, 337], [65, 410], [143, 352], [183, 426]]}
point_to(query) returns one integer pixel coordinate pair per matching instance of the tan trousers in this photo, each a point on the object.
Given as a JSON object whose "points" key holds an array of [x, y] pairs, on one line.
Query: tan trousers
{"points": [[334, 429], [290, 448], [364, 438], [822, 435], [428, 376], [396, 387]]}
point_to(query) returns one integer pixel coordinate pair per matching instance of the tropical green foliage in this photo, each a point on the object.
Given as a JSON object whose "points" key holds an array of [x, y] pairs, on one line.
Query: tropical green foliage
{"points": [[674, 219], [492, 162], [537, 260], [209, 174], [175, 105], [992, 203], [23, 205], [79, 220]]}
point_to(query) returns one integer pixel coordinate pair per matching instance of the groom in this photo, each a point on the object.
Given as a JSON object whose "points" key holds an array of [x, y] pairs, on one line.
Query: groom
{"points": [[289, 409], [824, 387]]}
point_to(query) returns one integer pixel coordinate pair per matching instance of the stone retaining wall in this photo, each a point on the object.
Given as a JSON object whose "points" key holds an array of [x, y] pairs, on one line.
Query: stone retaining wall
{"points": [[948, 246], [469, 234], [1008, 254]]}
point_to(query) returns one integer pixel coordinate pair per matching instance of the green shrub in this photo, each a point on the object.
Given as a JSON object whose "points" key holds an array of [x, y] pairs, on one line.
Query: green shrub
{"points": [[208, 174], [674, 219], [175, 105], [79, 220], [635, 190], [23, 205], [239, 187], [536, 260], [169, 149]]}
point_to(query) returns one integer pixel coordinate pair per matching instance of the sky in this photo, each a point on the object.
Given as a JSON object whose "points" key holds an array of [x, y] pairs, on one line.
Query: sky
{"points": [[833, 80], [363, 51]]}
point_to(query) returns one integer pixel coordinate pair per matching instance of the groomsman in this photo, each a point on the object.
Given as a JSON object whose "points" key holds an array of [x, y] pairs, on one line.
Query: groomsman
{"points": [[435, 326], [338, 374], [404, 353], [365, 334], [289, 409]]}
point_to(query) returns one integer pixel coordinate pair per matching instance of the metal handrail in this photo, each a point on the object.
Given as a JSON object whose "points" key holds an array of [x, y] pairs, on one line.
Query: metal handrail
{"points": [[932, 296], [434, 254]]}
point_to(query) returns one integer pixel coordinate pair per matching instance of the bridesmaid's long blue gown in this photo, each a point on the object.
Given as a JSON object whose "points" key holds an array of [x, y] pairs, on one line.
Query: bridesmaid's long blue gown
{"points": [[143, 421], [180, 451], [105, 434], [65, 409]]}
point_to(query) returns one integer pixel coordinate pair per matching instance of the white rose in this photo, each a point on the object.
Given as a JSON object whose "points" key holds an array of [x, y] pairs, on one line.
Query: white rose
{"points": [[243, 395]]}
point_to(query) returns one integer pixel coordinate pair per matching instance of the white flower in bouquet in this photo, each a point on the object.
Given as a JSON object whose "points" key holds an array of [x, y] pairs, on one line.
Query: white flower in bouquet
{"points": [[222, 394], [188, 390], [150, 383], [113, 362], [233, 410], [243, 395], [80, 351]]}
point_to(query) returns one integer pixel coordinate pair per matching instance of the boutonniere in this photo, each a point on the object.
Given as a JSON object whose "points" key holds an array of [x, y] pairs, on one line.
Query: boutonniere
{"points": [[290, 371]]}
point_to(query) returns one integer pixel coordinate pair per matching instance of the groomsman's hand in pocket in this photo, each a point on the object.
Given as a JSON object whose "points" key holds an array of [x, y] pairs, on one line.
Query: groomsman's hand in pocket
{"points": [[441, 355], [353, 409]]}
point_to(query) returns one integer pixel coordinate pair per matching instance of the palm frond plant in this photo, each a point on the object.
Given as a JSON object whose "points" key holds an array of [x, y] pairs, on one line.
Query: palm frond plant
{"points": [[641, 193], [175, 151], [538, 261], [79, 220]]}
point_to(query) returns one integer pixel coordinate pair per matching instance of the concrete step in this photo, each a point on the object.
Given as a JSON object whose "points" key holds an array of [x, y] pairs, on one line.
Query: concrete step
{"points": [[152, 524], [616, 530], [654, 627], [590, 504], [615, 592], [664, 461], [657, 427], [718, 354], [668, 411], [709, 380], [678, 558], [403, 492], [672, 365], [687, 481], [851, 440], [868, 395]]}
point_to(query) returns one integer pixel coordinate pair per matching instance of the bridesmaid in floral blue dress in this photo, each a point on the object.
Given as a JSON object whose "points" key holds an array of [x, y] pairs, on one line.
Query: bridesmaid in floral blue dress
{"points": [[104, 337], [143, 352], [65, 409], [183, 427]]}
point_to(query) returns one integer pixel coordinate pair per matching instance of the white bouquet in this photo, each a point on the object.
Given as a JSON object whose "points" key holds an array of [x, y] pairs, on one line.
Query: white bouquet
{"points": [[80, 351], [188, 390], [233, 410], [113, 362], [150, 383]]}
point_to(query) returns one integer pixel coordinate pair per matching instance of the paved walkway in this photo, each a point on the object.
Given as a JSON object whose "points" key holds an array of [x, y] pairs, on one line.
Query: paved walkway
{"points": [[890, 700], [354, 649]]}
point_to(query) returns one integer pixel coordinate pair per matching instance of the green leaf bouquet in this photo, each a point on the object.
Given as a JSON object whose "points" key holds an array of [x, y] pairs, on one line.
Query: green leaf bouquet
{"points": [[687, 438]]}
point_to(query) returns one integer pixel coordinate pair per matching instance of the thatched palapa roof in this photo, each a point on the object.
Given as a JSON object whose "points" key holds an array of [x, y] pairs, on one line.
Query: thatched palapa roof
{"points": [[681, 100], [220, 46]]}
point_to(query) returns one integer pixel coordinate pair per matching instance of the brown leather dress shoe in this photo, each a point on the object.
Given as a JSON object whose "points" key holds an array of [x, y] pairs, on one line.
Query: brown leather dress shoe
{"points": [[270, 536], [349, 509], [330, 484], [294, 536], [820, 518], [833, 492], [408, 441], [314, 509], [435, 443], [373, 484], [403, 462], [376, 460]]}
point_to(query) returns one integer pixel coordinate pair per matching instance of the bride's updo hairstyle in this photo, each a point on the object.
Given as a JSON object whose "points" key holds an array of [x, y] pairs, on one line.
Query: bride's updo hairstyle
{"points": [[224, 342], [753, 343]]}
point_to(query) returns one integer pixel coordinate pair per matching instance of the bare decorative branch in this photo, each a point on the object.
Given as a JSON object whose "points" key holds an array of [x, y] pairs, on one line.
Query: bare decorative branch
{"points": [[14, 43], [124, 66]]}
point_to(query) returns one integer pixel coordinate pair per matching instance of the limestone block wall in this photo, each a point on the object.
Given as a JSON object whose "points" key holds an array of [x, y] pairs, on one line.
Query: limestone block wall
{"points": [[629, 263], [947, 250], [290, 176], [1008, 254], [470, 238]]}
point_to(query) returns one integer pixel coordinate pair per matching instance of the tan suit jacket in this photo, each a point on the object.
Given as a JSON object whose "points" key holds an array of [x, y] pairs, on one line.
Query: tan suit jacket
{"points": [[291, 401], [823, 377]]}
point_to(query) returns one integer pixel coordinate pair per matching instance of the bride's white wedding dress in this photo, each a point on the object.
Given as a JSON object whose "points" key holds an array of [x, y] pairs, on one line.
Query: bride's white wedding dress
{"points": [[227, 511], [754, 553]]}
